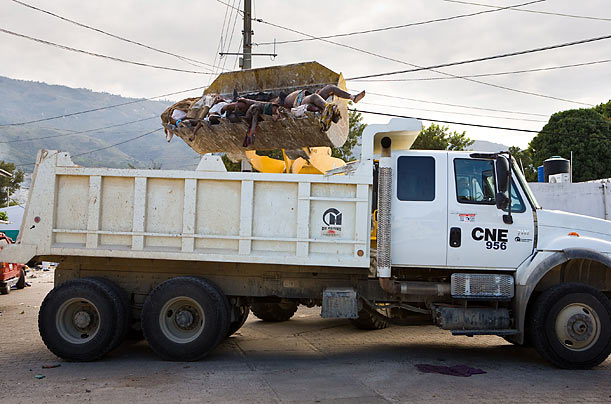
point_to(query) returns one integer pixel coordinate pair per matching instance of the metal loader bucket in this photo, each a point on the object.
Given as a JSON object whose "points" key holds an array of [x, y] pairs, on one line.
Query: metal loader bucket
{"points": [[289, 133]]}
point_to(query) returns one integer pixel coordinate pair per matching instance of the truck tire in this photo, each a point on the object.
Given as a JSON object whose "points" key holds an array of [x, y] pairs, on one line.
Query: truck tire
{"points": [[5, 289], [122, 310], [274, 312], [78, 320], [369, 319], [21, 282], [243, 312], [570, 326], [184, 318]]}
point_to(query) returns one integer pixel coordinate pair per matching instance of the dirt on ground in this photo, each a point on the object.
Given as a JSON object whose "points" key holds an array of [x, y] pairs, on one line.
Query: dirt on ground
{"points": [[307, 359]]}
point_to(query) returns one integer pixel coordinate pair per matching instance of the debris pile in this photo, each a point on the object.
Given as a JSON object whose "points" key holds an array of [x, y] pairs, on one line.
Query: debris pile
{"points": [[284, 107]]}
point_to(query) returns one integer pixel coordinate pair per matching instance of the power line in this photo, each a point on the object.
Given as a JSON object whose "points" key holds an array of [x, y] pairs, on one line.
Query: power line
{"points": [[99, 55], [451, 112], [235, 20], [456, 105], [100, 108], [541, 69], [103, 148], [492, 57], [183, 58], [231, 6], [469, 124], [72, 133], [448, 122], [413, 24], [220, 45], [535, 11], [418, 66], [120, 143]]}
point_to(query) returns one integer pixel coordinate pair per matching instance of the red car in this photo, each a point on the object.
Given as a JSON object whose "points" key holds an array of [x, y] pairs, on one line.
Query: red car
{"points": [[10, 273]]}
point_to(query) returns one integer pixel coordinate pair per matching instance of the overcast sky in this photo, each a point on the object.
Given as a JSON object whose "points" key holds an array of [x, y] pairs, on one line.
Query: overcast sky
{"points": [[192, 28]]}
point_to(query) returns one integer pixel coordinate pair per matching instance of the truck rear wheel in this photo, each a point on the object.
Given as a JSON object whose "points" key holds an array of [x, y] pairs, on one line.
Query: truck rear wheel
{"points": [[122, 310], [78, 320], [184, 318], [571, 326], [369, 319], [242, 314], [274, 312]]}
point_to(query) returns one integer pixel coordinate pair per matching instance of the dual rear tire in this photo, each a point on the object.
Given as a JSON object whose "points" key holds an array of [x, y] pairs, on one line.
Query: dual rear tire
{"points": [[184, 318], [83, 319]]}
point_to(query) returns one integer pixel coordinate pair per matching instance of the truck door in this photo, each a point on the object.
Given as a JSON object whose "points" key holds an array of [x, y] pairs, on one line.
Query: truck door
{"points": [[419, 209], [478, 237]]}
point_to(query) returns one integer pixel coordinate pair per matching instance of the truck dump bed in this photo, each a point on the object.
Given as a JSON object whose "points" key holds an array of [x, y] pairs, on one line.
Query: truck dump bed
{"points": [[194, 215]]}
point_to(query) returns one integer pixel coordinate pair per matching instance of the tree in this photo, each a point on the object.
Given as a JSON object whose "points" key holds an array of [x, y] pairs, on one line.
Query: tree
{"points": [[355, 134], [437, 137], [3, 216], [525, 161], [586, 133], [10, 184]]}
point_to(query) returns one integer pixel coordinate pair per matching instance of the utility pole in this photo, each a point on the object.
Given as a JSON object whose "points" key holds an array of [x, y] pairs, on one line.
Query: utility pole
{"points": [[247, 34], [246, 64]]}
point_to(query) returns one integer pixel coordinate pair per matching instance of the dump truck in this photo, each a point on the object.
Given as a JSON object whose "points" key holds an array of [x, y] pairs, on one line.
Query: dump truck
{"points": [[184, 256]]}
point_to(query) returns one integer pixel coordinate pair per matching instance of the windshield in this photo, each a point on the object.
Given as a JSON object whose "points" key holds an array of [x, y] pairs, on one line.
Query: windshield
{"points": [[524, 184]]}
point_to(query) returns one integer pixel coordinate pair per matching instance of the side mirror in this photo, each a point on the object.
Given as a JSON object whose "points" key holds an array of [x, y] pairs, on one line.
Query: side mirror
{"points": [[501, 201], [502, 174]]}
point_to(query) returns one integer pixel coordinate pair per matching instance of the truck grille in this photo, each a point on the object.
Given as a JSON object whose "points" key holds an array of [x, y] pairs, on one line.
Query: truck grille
{"points": [[481, 286]]}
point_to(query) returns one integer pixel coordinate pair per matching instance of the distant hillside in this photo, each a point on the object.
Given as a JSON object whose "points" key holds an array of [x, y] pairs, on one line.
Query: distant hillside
{"points": [[22, 101]]}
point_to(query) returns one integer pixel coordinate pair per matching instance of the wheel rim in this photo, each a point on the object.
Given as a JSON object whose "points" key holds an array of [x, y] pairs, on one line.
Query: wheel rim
{"points": [[577, 327], [182, 319], [77, 321]]}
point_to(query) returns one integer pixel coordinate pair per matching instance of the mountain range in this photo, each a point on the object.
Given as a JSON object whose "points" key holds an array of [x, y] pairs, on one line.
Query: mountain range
{"points": [[25, 101]]}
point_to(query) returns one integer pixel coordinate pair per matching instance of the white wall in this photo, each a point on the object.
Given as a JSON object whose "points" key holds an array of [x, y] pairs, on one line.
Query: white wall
{"points": [[585, 198]]}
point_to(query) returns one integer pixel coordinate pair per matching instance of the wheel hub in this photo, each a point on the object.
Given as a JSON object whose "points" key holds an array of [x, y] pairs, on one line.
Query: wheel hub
{"points": [[577, 327], [81, 319], [580, 327], [184, 319], [77, 320]]}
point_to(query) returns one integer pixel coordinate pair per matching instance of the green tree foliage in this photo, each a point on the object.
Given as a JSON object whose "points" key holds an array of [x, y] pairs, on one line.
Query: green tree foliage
{"points": [[11, 184], [438, 137], [230, 165], [525, 161], [3, 216], [355, 134], [586, 133]]}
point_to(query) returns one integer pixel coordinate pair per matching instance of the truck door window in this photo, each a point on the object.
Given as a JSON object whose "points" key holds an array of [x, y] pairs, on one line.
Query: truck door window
{"points": [[517, 205], [416, 178], [475, 181]]}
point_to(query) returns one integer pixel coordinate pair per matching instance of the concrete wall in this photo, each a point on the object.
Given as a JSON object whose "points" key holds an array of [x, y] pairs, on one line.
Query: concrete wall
{"points": [[585, 198]]}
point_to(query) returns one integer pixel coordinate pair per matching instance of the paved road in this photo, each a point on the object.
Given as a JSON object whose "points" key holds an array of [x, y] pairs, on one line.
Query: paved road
{"points": [[307, 359]]}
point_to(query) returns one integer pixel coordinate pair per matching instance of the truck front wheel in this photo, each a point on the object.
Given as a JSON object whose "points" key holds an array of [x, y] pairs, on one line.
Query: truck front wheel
{"points": [[274, 312], [78, 320], [570, 326], [184, 318]]}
